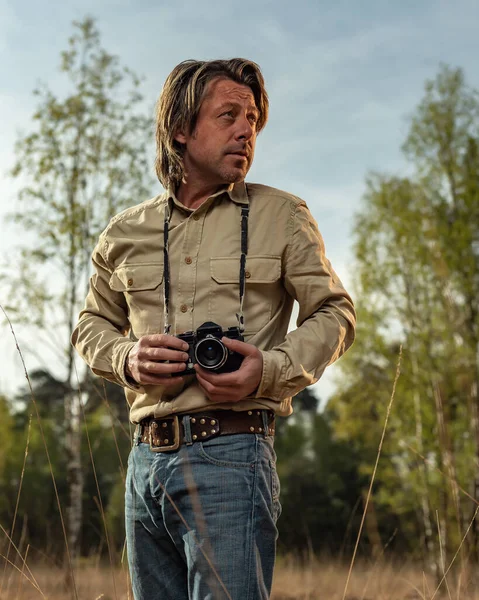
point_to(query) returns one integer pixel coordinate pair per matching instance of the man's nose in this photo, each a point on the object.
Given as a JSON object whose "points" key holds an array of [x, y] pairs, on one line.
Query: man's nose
{"points": [[244, 129]]}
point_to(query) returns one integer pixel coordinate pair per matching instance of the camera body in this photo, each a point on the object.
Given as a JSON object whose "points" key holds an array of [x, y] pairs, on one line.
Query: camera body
{"points": [[207, 349]]}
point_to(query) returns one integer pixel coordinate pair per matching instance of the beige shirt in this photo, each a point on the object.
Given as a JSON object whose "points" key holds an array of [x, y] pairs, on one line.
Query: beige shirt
{"points": [[285, 262]]}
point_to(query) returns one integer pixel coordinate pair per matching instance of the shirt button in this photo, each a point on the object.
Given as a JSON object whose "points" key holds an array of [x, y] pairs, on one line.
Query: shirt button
{"points": [[196, 217], [130, 281], [188, 260], [183, 308], [247, 274]]}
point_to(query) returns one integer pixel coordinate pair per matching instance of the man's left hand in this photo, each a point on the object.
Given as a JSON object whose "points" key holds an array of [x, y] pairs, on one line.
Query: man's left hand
{"points": [[233, 387]]}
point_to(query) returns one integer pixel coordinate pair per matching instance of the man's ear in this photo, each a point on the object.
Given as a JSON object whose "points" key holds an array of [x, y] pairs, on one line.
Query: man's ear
{"points": [[180, 137]]}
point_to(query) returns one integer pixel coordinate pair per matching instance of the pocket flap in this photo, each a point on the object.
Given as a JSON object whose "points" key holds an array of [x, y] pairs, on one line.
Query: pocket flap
{"points": [[136, 277], [259, 269]]}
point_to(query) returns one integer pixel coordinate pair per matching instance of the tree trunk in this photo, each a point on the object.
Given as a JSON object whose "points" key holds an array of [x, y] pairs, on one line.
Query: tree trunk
{"points": [[73, 411], [416, 325], [74, 471], [449, 466], [429, 545], [475, 491]]}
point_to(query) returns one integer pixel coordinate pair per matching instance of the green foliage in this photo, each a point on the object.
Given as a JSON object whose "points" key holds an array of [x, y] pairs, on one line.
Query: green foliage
{"points": [[416, 243], [6, 435], [320, 482], [103, 468], [85, 160]]}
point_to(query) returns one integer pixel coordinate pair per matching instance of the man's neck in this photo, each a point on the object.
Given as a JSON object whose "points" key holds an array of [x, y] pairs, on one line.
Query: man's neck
{"points": [[192, 195]]}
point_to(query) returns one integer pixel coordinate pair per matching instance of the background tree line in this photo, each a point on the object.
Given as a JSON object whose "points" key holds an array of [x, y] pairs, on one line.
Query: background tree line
{"points": [[416, 265]]}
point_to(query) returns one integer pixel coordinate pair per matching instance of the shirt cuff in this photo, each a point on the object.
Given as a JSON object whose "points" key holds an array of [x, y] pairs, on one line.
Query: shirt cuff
{"points": [[119, 359], [271, 377]]}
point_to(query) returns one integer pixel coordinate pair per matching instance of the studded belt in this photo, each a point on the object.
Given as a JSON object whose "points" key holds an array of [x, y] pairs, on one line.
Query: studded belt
{"points": [[169, 432]]}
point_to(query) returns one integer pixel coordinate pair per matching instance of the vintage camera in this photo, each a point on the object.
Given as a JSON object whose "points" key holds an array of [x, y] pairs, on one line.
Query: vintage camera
{"points": [[207, 349]]}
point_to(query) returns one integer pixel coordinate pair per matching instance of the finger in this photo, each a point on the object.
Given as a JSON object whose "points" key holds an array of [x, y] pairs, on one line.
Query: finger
{"points": [[220, 379], [206, 385], [161, 368], [216, 394], [216, 390], [163, 340], [158, 354], [240, 347]]}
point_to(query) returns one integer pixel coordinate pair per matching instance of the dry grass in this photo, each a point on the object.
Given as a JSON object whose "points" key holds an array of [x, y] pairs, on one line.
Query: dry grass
{"points": [[326, 581], [293, 581], [92, 583], [318, 580]]}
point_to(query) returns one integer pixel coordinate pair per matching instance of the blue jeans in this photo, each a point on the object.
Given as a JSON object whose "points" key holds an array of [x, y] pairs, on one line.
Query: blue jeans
{"points": [[201, 520]]}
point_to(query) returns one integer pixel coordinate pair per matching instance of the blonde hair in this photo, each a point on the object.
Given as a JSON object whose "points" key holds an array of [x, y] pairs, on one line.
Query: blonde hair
{"points": [[180, 101]]}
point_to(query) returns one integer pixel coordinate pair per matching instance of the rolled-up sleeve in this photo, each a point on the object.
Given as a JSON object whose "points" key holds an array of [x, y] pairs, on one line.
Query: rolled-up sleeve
{"points": [[326, 320], [99, 336]]}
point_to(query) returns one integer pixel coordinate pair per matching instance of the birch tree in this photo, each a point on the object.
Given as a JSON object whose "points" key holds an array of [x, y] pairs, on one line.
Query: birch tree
{"points": [[86, 158], [417, 264]]}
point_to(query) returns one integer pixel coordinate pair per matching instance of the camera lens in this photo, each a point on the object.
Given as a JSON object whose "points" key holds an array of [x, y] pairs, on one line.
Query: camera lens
{"points": [[211, 353]]}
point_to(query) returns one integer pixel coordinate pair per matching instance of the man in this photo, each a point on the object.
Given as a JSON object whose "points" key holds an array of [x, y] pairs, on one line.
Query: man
{"points": [[202, 495]]}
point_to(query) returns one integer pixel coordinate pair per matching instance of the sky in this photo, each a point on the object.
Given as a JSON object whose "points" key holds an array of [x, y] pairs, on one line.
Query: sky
{"points": [[343, 77]]}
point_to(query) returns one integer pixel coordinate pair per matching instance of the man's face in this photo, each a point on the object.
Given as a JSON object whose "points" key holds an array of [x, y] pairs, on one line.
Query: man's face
{"points": [[221, 148]]}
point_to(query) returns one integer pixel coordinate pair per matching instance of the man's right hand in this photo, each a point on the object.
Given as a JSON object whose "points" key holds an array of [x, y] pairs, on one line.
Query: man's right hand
{"points": [[146, 360]]}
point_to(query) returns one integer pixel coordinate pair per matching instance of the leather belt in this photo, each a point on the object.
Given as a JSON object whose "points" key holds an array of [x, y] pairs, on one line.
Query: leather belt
{"points": [[168, 433]]}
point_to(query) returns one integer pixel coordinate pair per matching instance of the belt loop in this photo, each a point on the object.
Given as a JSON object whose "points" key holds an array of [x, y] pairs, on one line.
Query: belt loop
{"points": [[264, 418], [137, 435], [187, 428]]}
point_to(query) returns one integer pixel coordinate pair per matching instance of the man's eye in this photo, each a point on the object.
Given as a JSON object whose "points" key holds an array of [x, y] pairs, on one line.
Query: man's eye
{"points": [[253, 118], [228, 113]]}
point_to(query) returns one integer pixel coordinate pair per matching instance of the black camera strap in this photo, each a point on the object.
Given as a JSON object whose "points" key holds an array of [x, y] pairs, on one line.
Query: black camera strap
{"points": [[242, 273], [244, 252], [166, 270]]}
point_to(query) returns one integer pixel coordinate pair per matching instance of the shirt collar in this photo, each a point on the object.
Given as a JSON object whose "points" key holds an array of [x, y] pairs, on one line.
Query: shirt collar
{"points": [[238, 193], [235, 191]]}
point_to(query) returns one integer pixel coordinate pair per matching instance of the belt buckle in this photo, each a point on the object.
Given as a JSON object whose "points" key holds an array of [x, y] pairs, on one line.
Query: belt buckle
{"points": [[176, 436]]}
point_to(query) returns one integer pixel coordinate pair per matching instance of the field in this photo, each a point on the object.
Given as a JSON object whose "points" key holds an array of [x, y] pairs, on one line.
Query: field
{"points": [[317, 581]]}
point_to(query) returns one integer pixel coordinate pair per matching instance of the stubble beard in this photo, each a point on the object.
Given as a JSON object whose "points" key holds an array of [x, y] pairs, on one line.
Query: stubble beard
{"points": [[233, 175]]}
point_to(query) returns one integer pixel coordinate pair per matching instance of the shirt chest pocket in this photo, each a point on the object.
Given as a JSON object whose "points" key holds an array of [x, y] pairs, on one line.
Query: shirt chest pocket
{"points": [[263, 286], [142, 286]]}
